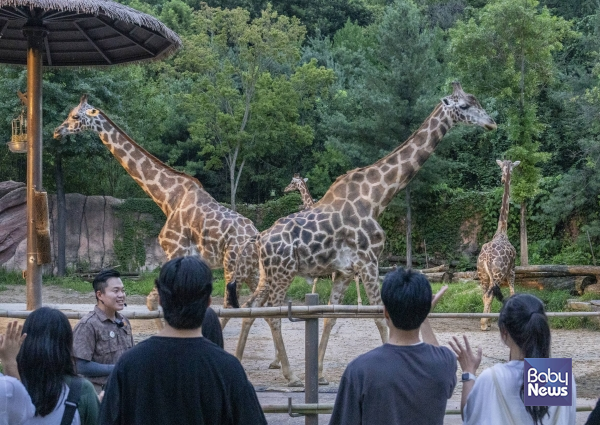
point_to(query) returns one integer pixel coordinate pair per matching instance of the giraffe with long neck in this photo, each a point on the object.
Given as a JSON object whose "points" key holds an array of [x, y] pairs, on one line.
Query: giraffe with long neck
{"points": [[298, 183], [340, 233], [496, 261], [196, 223]]}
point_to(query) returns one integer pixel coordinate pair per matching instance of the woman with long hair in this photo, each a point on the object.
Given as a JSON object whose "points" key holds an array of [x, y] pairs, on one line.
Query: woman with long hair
{"points": [[47, 369], [496, 396]]}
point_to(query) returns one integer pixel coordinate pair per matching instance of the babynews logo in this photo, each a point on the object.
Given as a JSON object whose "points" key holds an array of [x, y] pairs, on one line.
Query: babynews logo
{"points": [[548, 382]]}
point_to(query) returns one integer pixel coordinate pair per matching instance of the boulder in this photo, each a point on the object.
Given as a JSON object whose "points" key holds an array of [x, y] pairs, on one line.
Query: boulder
{"points": [[91, 228]]}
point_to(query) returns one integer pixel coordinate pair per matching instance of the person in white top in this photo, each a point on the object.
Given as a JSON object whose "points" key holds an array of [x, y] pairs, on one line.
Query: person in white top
{"points": [[496, 396], [15, 404]]}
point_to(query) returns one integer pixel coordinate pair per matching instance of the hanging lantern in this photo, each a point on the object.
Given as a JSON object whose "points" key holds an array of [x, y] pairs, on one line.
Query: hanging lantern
{"points": [[18, 141]]}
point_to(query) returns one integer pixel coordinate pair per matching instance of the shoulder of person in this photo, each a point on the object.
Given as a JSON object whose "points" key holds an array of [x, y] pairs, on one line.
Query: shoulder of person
{"points": [[375, 357], [87, 386], [85, 319]]}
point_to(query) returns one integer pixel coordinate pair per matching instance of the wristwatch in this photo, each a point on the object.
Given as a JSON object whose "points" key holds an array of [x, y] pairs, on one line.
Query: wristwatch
{"points": [[468, 376]]}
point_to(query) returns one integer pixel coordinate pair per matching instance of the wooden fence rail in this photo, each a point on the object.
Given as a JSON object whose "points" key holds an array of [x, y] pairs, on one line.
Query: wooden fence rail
{"points": [[304, 312]]}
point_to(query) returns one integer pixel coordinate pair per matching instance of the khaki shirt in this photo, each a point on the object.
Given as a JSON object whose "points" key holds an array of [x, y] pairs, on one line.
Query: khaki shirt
{"points": [[98, 339]]}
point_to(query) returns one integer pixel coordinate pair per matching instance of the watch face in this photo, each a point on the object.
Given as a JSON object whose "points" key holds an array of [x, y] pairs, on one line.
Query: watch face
{"points": [[467, 377]]}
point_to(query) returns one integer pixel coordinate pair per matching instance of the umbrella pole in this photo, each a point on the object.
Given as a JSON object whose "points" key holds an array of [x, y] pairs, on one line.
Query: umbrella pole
{"points": [[35, 44]]}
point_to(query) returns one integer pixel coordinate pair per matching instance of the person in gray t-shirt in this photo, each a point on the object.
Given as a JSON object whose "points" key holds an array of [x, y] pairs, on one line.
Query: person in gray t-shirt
{"points": [[405, 381]]}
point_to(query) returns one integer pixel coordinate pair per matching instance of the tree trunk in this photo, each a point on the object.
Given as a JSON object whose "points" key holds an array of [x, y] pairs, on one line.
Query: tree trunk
{"points": [[575, 284], [553, 268], [232, 183], [61, 226], [408, 230], [524, 250]]}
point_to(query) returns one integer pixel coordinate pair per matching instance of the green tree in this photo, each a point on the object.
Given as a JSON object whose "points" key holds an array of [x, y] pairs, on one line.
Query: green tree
{"points": [[506, 51], [246, 94]]}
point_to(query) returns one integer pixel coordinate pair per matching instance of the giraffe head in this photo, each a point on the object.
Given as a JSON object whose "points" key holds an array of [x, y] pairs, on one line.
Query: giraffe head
{"points": [[463, 107], [82, 117], [507, 167], [296, 183]]}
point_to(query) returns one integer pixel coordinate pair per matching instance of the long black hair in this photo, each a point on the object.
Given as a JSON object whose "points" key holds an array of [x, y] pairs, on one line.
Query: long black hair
{"points": [[45, 357], [523, 316]]}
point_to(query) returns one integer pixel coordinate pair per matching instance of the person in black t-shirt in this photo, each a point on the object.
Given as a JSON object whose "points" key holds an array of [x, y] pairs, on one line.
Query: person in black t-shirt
{"points": [[178, 376], [405, 381]]}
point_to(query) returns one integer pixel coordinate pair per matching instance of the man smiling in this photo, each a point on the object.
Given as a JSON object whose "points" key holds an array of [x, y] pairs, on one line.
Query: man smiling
{"points": [[103, 334]]}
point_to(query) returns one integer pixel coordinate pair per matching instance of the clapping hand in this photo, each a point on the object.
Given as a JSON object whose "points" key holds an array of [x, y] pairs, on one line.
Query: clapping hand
{"points": [[468, 360]]}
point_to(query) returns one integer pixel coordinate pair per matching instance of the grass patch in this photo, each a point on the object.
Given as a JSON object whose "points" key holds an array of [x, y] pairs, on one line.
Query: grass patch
{"points": [[460, 297], [10, 277]]}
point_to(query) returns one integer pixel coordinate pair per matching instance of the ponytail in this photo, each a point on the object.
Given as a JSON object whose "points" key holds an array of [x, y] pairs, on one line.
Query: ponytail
{"points": [[524, 318]]}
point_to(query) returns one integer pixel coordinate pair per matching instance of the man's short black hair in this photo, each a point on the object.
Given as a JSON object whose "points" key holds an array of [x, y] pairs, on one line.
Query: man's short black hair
{"points": [[184, 286], [100, 281], [406, 296]]}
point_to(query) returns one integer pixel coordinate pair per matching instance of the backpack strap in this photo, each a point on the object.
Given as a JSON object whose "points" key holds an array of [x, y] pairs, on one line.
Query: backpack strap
{"points": [[72, 400], [503, 404]]}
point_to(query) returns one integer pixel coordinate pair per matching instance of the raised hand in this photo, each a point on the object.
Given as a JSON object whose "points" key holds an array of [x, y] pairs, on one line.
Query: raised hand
{"points": [[468, 360], [10, 343], [437, 296]]}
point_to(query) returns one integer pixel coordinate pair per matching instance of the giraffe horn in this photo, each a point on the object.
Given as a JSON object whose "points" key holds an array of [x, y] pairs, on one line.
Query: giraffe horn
{"points": [[457, 88]]}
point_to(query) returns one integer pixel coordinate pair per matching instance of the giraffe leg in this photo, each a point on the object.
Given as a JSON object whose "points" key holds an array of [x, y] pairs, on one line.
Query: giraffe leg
{"points": [[258, 299], [314, 287], [488, 297], [340, 285], [293, 380], [358, 298], [511, 281], [370, 277], [153, 305]]}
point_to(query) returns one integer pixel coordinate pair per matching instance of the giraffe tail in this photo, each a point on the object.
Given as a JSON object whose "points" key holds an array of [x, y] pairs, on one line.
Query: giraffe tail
{"points": [[232, 298], [496, 292]]}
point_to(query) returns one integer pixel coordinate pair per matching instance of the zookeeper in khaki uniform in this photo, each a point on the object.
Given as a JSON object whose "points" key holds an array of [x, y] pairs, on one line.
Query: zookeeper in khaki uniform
{"points": [[103, 334]]}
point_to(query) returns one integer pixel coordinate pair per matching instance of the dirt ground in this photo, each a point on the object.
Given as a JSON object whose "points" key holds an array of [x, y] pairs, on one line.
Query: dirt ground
{"points": [[349, 338]]}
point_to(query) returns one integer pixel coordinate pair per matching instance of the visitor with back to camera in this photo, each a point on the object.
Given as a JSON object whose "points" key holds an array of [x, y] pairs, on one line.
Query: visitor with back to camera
{"points": [[496, 397], [407, 380], [178, 376]]}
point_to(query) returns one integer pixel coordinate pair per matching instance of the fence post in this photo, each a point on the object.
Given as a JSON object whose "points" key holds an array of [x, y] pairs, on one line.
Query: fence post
{"points": [[311, 360]]}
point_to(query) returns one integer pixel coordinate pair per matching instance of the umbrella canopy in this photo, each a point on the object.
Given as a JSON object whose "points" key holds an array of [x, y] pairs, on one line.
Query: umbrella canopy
{"points": [[83, 33], [56, 33]]}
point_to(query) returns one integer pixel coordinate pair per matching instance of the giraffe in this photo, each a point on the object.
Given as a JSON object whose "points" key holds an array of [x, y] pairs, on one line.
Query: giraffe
{"points": [[496, 261], [340, 233], [196, 222], [298, 183]]}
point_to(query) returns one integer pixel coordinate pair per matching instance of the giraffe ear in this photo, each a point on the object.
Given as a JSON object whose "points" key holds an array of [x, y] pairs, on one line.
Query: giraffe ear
{"points": [[499, 162], [305, 179], [92, 112], [514, 164]]}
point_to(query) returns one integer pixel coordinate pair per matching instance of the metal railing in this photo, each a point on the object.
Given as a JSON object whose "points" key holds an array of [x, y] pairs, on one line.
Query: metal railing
{"points": [[310, 313]]}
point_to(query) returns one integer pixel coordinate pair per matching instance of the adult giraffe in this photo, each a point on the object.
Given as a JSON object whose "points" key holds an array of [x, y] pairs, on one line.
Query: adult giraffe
{"points": [[299, 184], [341, 233], [196, 222], [496, 261]]}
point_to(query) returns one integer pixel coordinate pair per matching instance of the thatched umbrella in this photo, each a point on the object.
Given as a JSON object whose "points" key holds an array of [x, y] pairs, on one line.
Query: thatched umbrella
{"points": [[69, 33]]}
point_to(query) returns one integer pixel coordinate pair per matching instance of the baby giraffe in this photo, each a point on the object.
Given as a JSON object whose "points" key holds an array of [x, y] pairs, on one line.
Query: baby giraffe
{"points": [[496, 261]]}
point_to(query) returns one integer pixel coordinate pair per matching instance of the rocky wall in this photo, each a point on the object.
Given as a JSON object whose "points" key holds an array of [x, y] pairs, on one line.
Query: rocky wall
{"points": [[92, 227]]}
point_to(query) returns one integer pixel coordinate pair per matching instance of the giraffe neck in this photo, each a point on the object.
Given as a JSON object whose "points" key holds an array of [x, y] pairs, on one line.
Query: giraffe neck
{"points": [[374, 186], [503, 220], [158, 180], [307, 200]]}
